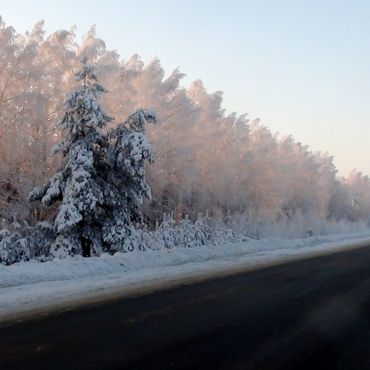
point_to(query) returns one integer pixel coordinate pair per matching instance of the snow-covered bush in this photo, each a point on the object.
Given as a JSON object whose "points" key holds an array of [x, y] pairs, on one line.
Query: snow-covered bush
{"points": [[15, 244], [21, 242], [185, 234]]}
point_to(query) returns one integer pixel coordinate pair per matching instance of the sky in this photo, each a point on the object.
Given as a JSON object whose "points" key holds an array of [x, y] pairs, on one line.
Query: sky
{"points": [[301, 66]]}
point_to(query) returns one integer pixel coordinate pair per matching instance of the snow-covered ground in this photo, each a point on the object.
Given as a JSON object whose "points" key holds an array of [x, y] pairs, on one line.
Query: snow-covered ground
{"points": [[30, 287]]}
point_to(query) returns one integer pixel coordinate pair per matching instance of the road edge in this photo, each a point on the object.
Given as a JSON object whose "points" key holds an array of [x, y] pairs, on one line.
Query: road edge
{"points": [[148, 286]]}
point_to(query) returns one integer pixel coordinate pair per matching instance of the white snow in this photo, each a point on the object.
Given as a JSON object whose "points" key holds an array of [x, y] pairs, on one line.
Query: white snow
{"points": [[29, 287]]}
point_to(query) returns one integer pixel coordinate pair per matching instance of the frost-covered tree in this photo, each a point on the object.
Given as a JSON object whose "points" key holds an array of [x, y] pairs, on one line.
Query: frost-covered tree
{"points": [[206, 159], [101, 181], [125, 177]]}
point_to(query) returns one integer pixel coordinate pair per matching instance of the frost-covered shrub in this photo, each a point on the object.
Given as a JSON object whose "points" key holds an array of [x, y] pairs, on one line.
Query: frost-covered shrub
{"points": [[137, 239], [15, 248], [6, 242], [23, 243], [42, 236], [64, 246], [185, 234], [190, 234], [165, 235]]}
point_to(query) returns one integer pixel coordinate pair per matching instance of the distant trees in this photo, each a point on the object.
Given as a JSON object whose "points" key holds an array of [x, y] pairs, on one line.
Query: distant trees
{"points": [[206, 160]]}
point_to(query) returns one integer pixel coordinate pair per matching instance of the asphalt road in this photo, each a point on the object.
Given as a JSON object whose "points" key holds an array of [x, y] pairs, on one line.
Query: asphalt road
{"points": [[308, 314]]}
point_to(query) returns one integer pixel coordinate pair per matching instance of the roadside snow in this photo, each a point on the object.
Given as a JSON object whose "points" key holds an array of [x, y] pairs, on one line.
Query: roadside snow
{"points": [[28, 287]]}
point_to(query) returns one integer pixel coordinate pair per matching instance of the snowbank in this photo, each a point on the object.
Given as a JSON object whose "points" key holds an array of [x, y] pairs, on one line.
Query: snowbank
{"points": [[29, 286]]}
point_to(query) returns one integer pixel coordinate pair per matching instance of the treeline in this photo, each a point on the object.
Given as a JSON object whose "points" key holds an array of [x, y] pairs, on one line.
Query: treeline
{"points": [[222, 165]]}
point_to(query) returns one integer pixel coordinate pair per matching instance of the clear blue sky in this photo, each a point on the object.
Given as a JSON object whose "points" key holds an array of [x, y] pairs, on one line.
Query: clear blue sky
{"points": [[302, 66]]}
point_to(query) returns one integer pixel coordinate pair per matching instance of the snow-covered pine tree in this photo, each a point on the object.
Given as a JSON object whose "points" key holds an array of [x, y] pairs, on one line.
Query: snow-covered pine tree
{"points": [[101, 180], [127, 155]]}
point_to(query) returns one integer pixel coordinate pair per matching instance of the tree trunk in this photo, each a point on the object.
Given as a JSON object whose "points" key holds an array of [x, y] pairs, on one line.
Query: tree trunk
{"points": [[86, 246]]}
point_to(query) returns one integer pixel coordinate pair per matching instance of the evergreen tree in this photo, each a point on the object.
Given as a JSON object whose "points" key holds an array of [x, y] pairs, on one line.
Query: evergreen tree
{"points": [[128, 152], [101, 181]]}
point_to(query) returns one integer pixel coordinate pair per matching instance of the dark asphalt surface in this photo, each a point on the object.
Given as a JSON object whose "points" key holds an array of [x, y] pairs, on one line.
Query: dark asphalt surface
{"points": [[309, 314]]}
